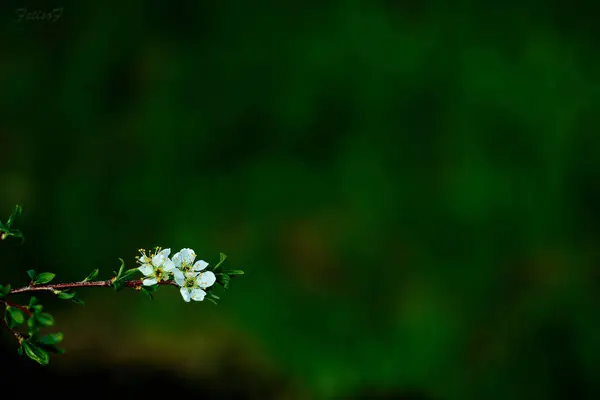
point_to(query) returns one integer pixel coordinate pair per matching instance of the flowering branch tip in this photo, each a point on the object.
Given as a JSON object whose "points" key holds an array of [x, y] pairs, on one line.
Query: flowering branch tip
{"points": [[194, 278]]}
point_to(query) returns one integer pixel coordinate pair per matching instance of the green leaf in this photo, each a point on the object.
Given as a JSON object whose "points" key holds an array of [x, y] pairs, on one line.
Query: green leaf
{"points": [[4, 233], [118, 284], [77, 300], [234, 272], [14, 233], [35, 353], [65, 295], [37, 308], [16, 213], [43, 278], [223, 280], [129, 273], [51, 338], [148, 291], [121, 268], [44, 319], [214, 296], [4, 290], [16, 315], [93, 275], [211, 300], [222, 258], [32, 301], [31, 274]]}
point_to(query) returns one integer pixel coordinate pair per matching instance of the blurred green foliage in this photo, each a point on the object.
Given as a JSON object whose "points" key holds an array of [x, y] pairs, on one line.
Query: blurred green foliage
{"points": [[412, 190]]}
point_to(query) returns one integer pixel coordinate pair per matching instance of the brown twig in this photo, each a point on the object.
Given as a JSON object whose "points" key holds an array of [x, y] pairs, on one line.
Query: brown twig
{"points": [[135, 284], [71, 285]]}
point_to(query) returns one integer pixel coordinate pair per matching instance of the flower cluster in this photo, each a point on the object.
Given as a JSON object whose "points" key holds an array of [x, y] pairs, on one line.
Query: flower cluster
{"points": [[189, 275]]}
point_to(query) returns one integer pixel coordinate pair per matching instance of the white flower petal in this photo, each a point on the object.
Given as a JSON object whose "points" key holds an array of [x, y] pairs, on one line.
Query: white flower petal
{"points": [[177, 260], [149, 282], [168, 265], [158, 259], [185, 293], [146, 269], [187, 256], [206, 279], [142, 259], [165, 253], [179, 277], [200, 265], [198, 294], [191, 274]]}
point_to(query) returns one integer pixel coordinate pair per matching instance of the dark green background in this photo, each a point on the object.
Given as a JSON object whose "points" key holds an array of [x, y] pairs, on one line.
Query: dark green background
{"points": [[411, 189]]}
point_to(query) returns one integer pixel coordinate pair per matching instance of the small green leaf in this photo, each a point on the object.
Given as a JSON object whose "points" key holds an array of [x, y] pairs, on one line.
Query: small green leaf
{"points": [[37, 308], [121, 268], [44, 319], [93, 275], [31, 274], [32, 301], [129, 273], [43, 278], [148, 291], [117, 284], [64, 295], [77, 300], [16, 213], [234, 272], [16, 315], [15, 233], [51, 338], [6, 230], [211, 300], [223, 280], [4, 290], [35, 353], [222, 258]]}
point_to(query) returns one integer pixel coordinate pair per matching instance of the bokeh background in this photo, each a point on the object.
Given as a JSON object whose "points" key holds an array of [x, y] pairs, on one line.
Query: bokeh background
{"points": [[411, 188]]}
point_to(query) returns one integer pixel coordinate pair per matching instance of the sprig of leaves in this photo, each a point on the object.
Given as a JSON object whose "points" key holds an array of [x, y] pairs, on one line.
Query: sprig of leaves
{"points": [[33, 344], [121, 277], [68, 294], [32, 317], [7, 230], [41, 279], [4, 290], [223, 278]]}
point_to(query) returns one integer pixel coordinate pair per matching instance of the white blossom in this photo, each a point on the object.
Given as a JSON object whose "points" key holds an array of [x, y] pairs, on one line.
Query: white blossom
{"points": [[190, 276], [184, 262], [157, 267]]}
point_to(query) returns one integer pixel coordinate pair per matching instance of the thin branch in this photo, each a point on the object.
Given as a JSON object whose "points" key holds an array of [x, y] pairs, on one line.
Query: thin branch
{"points": [[71, 285], [135, 284]]}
